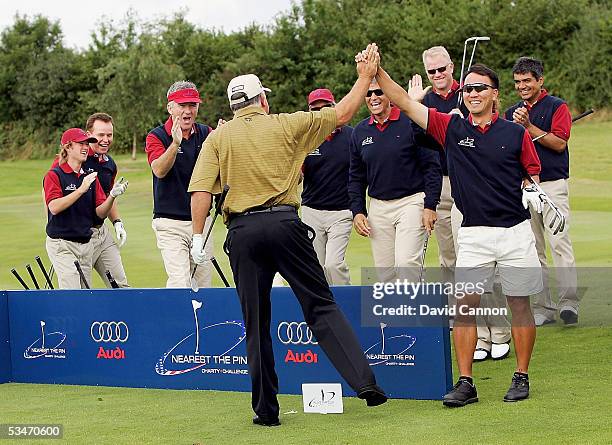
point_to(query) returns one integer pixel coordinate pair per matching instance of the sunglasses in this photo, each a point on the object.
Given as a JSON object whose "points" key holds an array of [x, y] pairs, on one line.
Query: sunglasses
{"points": [[440, 70], [479, 87], [378, 92], [319, 108]]}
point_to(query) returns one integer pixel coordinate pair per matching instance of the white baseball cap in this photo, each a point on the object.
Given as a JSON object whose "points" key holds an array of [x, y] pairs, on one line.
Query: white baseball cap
{"points": [[243, 88]]}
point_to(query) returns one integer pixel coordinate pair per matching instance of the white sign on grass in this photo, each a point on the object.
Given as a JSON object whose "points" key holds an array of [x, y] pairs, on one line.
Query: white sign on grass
{"points": [[322, 398]]}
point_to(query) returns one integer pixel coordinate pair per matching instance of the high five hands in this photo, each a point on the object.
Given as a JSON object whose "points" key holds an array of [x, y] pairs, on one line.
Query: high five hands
{"points": [[367, 61]]}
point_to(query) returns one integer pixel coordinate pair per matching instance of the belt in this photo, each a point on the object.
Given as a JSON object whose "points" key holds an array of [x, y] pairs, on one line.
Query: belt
{"points": [[255, 210]]}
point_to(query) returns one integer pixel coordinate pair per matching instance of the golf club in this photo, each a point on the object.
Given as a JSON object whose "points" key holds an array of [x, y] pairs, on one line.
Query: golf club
{"points": [[215, 263], [44, 272], [465, 44], [14, 272], [421, 277], [31, 272], [194, 283], [111, 280], [574, 119], [81, 274]]}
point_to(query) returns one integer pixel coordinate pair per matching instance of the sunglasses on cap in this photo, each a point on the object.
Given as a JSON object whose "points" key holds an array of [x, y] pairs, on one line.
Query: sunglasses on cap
{"points": [[377, 91], [479, 87], [319, 108], [440, 70]]}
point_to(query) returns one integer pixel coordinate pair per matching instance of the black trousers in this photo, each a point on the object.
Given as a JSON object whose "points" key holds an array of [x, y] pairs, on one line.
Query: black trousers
{"points": [[259, 245]]}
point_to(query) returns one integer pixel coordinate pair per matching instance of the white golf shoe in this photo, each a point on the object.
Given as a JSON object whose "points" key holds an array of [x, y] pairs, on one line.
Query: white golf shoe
{"points": [[500, 351]]}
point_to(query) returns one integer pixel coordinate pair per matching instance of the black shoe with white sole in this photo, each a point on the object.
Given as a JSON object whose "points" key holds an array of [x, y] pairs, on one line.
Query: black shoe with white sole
{"points": [[462, 394], [519, 388], [569, 317]]}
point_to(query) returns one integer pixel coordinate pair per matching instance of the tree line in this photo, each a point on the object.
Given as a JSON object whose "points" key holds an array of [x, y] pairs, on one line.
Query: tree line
{"points": [[46, 87]]}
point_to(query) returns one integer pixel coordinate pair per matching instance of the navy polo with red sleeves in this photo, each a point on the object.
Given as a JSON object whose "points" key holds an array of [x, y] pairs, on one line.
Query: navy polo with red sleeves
{"points": [[170, 197], [75, 222], [552, 115], [387, 160], [326, 172], [444, 104], [486, 167]]}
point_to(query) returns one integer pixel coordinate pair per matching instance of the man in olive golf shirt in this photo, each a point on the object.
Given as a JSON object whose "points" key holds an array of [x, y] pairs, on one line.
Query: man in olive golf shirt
{"points": [[259, 155]]}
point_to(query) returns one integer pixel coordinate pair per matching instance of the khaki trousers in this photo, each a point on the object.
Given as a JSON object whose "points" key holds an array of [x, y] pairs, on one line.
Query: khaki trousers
{"points": [[106, 256], [397, 236], [332, 232], [562, 253], [63, 254], [174, 242], [444, 233]]}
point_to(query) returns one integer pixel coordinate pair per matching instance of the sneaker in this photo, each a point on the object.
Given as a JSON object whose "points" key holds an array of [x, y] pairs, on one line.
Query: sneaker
{"points": [[462, 393], [519, 389], [480, 355], [568, 316], [261, 421], [541, 320], [500, 351]]}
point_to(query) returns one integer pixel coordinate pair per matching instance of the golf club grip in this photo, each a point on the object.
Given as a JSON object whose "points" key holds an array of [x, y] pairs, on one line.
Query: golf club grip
{"points": [[44, 272], [581, 115], [215, 263], [25, 286], [222, 198], [31, 272], [81, 274]]}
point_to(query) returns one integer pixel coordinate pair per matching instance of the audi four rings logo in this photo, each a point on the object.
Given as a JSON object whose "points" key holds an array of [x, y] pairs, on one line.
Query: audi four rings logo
{"points": [[109, 331], [295, 333]]}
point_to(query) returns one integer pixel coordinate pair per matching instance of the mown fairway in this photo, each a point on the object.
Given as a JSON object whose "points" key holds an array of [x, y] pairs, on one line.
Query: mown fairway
{"points": [[571, 394]]}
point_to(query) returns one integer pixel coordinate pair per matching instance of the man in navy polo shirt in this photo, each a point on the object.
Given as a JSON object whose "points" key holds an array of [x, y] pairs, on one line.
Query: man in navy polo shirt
{"points": [[325, 201], [543, 114], [487, 161], [172, 150], [106, 254], [403, 181]]}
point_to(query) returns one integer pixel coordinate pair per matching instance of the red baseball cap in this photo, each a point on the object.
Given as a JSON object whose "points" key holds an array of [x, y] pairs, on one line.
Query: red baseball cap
{"points": [[76, 135], [184, 96], [321, 94]]}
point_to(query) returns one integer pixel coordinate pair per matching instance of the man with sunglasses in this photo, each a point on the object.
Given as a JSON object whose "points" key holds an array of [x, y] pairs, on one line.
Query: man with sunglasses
{"points": [[325, 201], [487, 158], [403, 181], [548, 118]]}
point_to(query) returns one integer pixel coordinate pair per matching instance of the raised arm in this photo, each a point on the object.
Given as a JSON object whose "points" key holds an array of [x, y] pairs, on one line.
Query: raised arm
{"points": [[416, 111]]}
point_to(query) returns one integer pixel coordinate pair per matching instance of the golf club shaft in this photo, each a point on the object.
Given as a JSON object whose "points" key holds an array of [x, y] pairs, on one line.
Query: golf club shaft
{"points": [[44, 272], [31, 272], [111, 280], [218, 208], [581, 115], [25, 286], [423, 257], [215, 263], [81, 274]]}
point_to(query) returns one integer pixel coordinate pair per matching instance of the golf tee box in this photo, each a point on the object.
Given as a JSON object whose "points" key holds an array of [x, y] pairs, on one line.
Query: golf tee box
{"points": [[322, 398]]}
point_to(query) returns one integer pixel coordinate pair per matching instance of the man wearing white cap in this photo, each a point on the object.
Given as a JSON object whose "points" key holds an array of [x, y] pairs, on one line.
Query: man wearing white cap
{"points": [[259, 155], [172, 150]]}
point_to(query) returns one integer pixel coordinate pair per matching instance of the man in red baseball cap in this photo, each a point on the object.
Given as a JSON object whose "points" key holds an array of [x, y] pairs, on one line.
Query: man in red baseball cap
{"points": [[172, 150], [325, 200]]}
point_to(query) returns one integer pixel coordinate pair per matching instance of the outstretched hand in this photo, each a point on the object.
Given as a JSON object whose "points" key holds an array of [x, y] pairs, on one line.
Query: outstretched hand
{"points": [[367, 61], [415, 88]]}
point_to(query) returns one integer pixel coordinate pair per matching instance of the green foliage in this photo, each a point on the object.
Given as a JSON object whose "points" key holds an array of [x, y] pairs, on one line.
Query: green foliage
{"points": [[45, 87]]}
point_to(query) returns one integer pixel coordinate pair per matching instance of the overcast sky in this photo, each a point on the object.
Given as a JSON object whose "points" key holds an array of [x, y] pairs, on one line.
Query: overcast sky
{"points": [[79, 18]]}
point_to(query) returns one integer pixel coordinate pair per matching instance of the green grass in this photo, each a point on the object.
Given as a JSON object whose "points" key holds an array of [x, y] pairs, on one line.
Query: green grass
{"points": [[571, 394]]}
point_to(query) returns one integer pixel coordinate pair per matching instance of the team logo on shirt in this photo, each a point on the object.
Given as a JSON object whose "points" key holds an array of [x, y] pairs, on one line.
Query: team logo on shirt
{"points": [[367, 141], [315, 152], [71, 187], [180, 150], [90, 170], [467, 142]]}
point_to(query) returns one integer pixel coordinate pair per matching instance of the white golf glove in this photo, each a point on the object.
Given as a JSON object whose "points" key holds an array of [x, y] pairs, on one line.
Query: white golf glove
{"points": [[120, 232], [197, 249], [532, 197], [119, 188]]}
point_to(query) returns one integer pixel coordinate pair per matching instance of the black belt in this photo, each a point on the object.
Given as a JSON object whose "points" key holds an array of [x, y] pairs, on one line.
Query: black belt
{"points": [[256, 210]]}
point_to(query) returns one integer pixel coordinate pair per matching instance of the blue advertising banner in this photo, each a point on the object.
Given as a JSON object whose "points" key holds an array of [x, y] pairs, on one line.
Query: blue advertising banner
{"points": [[180, 339], [5, 351]]}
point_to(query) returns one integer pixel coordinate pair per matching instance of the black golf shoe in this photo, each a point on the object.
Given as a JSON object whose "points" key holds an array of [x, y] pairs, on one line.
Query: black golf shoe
{"points": [[373, 395], [569, 317], [462, 394], [519, 388], [266, 422]]}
